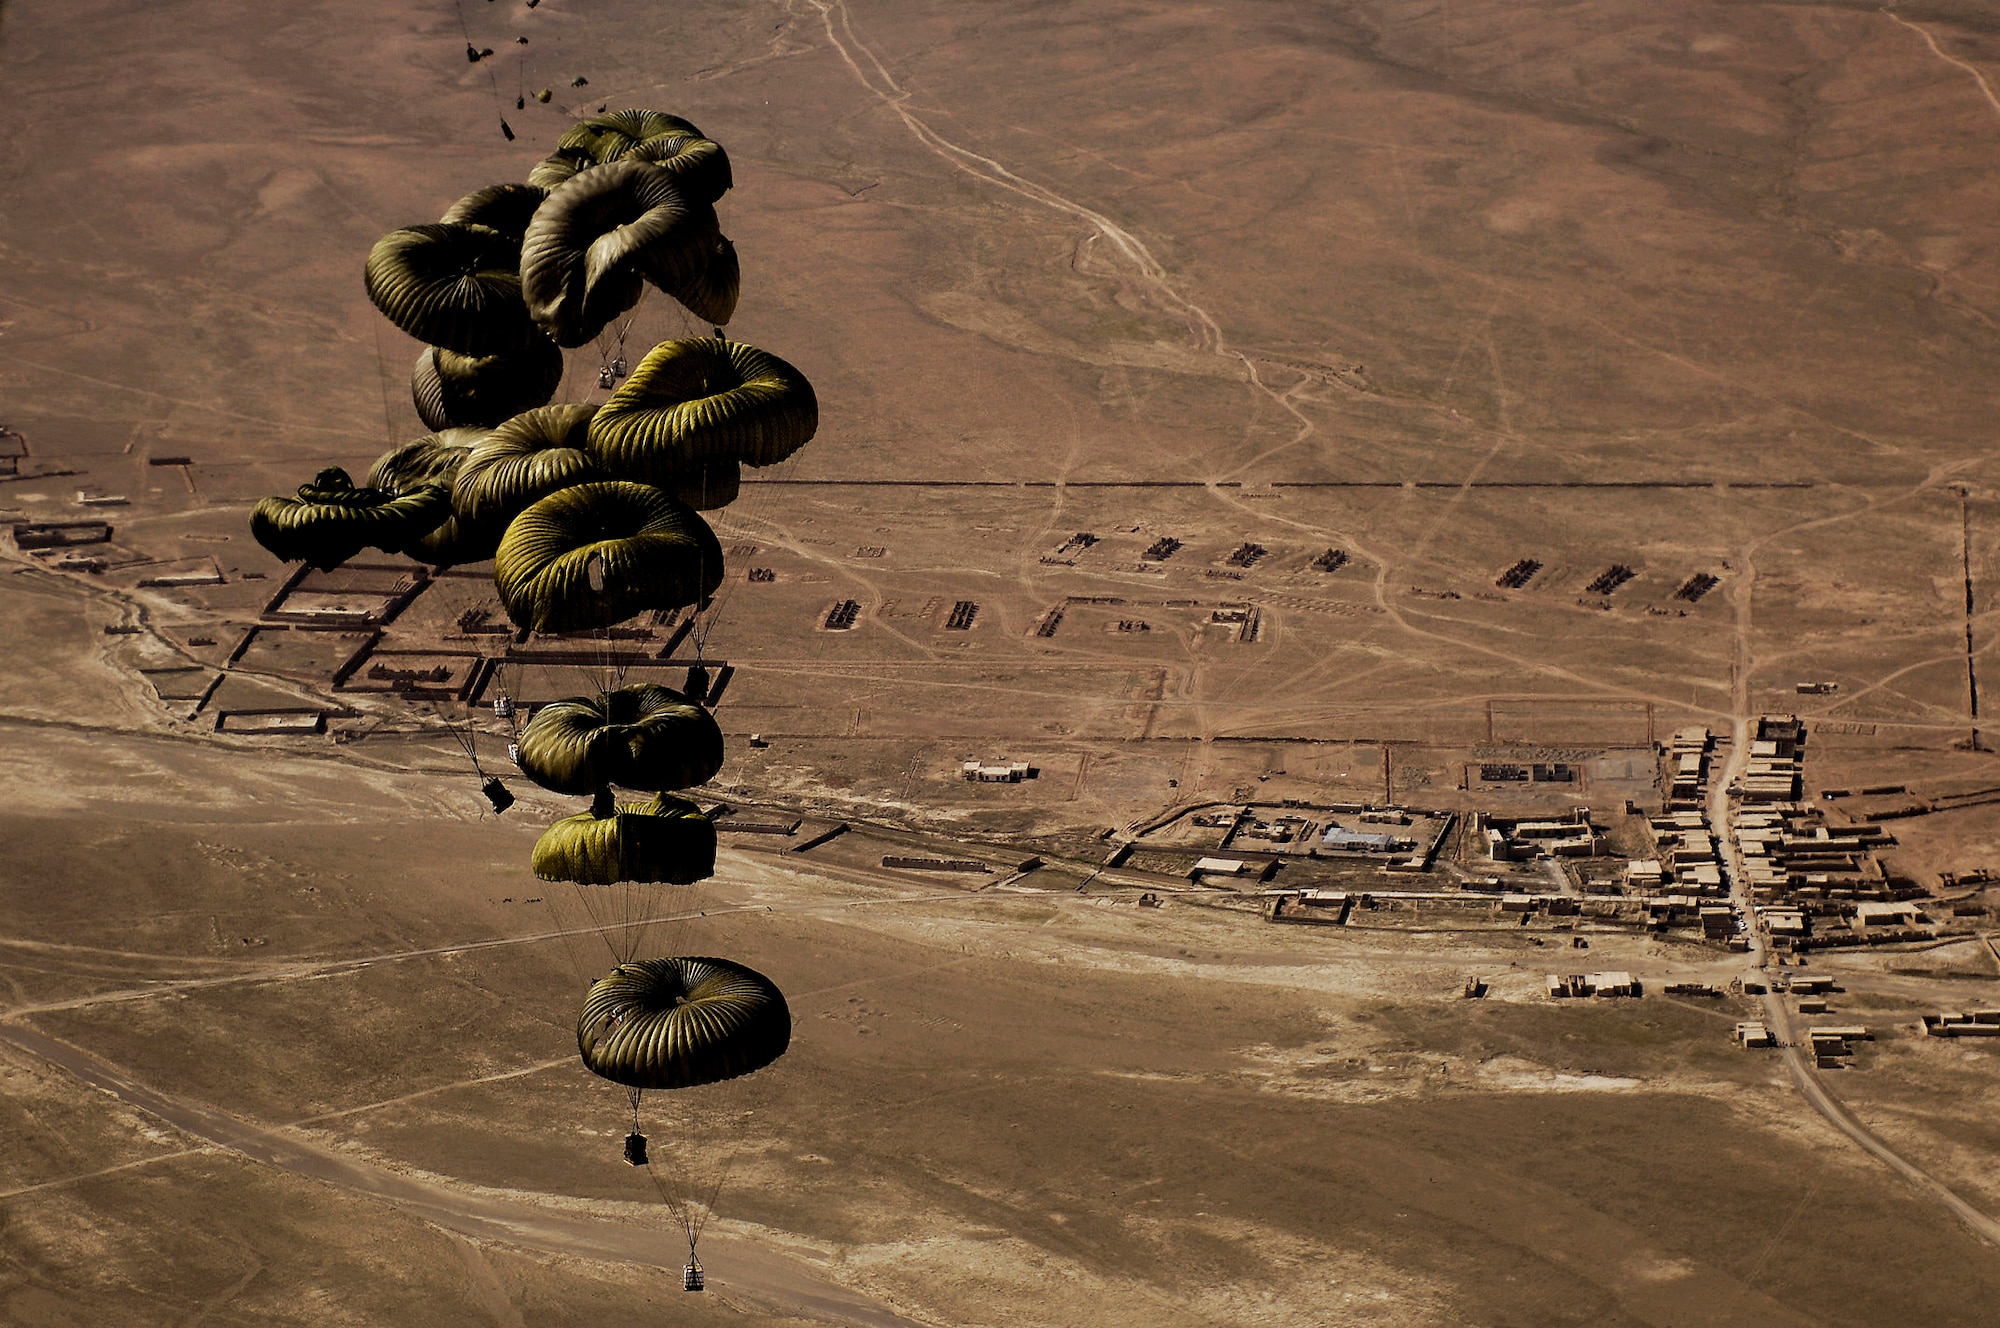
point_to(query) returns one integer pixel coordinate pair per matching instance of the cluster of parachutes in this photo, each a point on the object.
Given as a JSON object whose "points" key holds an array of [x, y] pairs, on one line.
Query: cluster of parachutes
{"points": [[591, 516]]}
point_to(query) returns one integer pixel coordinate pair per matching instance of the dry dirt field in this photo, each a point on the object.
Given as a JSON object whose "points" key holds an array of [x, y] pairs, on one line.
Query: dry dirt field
{"points": [[1316, 320]]}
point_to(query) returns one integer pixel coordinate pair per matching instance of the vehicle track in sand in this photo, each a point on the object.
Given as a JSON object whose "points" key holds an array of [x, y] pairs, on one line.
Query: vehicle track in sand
{"points": [[739, 1267]]}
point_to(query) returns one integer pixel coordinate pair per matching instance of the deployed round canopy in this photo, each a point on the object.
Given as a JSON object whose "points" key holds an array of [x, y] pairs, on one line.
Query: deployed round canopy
{"points": [[682, 1022], [529, 456], [596, 554], [433, 461], [453, 285], [713, 486], [600, 235], [452, 390], [643, 737], [704, 276], [502, 207], [703, 402], [608, 136], [329, 521], [665, 841], [698, 165]]}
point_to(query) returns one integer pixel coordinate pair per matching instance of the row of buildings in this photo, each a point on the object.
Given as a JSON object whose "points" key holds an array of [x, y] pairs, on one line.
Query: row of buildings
{"points": [[1812, 883]]}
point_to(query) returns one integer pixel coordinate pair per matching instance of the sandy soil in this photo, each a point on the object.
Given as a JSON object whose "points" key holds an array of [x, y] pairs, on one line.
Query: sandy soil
{"points": [[284, 1030]]}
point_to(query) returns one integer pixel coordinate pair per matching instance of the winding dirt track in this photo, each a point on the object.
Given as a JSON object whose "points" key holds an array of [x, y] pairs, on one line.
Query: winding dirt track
{"points": [[738, 1269]]}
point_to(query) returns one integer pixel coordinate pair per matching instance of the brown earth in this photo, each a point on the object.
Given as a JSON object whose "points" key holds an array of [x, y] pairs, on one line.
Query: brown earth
{"points": [[1698, 289]]}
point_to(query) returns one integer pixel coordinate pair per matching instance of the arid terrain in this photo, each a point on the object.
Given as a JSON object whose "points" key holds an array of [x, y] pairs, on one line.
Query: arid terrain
{"points": [[1408, 420]]}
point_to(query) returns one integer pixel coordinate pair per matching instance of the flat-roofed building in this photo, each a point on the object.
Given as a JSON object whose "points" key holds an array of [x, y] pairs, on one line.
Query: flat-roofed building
{"points": [[1887, 913], [1783, 921]]}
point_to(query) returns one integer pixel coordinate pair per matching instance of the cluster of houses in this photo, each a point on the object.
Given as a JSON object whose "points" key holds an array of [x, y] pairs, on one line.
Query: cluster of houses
{"points": [[1777, 757]]}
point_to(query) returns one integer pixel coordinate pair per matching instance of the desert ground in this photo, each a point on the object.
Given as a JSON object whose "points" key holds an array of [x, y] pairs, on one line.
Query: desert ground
{"points": [[1197, 386]]}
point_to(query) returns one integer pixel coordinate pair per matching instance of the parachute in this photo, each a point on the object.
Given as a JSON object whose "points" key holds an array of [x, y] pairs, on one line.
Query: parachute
{"points": [[452, 390], [600, 236], [433, 461], [453, 285], [682, 1022], [698, 165], [505, 208], [709, 487], [696, 1025], [590, 516], [700, 403], [596, 554], [330, 520], [705, 278], [642, 737], [532, 455], [610, 137], [663, 841]]}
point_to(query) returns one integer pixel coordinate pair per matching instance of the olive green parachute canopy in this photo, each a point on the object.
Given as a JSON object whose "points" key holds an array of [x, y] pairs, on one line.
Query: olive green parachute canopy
{"points": [[682, 1022], [453, 285], [596, 554], [706, 277], [528, 457], [435, 460], [461, 391], [431, 460], [600, 237], [665, 840], [561, 165], [643, 737], [710, 487], [330, 520], [502, 207], [611, 136], [698, 164], [703, 402]]}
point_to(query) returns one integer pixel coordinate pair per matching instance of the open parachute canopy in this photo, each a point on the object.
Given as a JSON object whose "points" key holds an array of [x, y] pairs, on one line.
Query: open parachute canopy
{"points": [[643, 737], [502, 207], [453, 285], [700, 403], [662, 841], [682, 1022], [329, 520], [530, 456], [430, 461], [596, 554], [602, 234], [451, 390], [697, 164], [708, 488]]}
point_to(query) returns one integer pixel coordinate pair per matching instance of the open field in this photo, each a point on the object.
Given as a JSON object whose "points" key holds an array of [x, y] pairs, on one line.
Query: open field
{"points": [[1227, 404]]}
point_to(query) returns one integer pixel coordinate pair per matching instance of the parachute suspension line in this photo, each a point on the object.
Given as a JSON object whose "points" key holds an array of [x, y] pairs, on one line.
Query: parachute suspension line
{"points": [[619, 367], [382, 381], [691, 1195], [748, 513], [475, 54]]}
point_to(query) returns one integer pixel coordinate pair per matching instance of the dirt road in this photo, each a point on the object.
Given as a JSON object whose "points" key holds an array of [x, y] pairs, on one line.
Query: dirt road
{"points": [[737, 1269]]}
